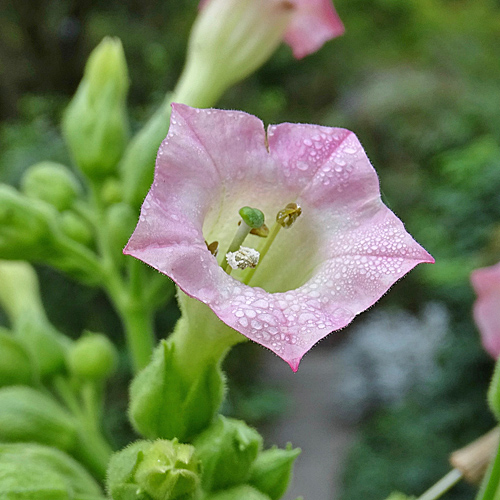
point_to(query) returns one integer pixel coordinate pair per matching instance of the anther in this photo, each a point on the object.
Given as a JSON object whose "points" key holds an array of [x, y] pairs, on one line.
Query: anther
{"points": [[243, 258], [286, 217]]}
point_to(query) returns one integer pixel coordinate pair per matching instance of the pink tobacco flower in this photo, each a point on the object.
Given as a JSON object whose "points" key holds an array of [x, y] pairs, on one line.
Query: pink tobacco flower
{"points": [[310, 23], [486, 283], [339, 257]]}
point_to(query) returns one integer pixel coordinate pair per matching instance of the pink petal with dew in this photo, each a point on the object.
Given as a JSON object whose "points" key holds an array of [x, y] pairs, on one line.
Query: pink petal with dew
{"points": [[314, 23], [214, 162], [486, 283]]}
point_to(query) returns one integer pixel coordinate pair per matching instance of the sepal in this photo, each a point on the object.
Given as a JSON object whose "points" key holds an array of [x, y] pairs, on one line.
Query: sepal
{"points": [[227, 450], [242, 492], [163, 404], [272, 470]]}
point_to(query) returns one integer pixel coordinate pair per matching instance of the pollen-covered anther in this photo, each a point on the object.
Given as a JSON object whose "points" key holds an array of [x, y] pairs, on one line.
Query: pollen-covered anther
{"points": [[286, 217], [213, 248], [243, 258]]}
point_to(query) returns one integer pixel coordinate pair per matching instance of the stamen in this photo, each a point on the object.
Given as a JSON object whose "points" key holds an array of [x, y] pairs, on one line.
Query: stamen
{"points": [[213, 248], [251, 218], [284, 218], [288, 215], [244, 258]]}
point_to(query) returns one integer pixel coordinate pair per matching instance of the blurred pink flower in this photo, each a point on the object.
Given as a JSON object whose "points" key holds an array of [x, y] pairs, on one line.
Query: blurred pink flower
{"points": [[340, 256], [312, 23], [486, 283]]}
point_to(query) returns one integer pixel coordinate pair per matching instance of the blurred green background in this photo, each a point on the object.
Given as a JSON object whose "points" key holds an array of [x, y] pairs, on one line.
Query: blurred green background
{"points": [[419, 83]]}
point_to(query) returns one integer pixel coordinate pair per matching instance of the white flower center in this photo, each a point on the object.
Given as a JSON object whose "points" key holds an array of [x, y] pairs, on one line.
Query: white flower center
{"points": [[243, 258]]}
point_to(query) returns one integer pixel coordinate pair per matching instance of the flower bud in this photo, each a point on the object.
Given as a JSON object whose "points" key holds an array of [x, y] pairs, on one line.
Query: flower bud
{"points": [[15, 367], [227, 450], [272, 470], [28, 226], [164, 405], [111, 191], [228, 42], [46, 346], [76, 228], [242, 492], [159, 470], [95, 124], [51, 182], [93, 356], [19, 291], [32, 471], [27, 415]]}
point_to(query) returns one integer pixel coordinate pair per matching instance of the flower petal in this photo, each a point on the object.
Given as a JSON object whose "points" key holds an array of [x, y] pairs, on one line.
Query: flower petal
{"points": [[315, 22], [486, 283], [341, 256]]}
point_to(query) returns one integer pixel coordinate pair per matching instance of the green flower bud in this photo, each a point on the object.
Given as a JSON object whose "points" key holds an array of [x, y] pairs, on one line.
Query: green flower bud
{"points": [[272, 470], [51, 182], [112, 191], [164, 405], [227, 450], [19, 291], [27, 415], [121, 220], [31, 471], [76, 228], [28, 226], [95, 123], [15, 367], [46, 346], [93, 356], [242, 492], [159, 470]]}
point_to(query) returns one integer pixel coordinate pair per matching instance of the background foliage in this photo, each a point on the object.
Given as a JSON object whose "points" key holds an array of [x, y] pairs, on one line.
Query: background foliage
{"points": [[417, 80]]}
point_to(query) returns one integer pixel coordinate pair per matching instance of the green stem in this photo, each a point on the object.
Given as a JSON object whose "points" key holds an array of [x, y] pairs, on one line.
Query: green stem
{"points": [[94, 451], [240, 236], [138, 323], [442, 486], [490, 486]]}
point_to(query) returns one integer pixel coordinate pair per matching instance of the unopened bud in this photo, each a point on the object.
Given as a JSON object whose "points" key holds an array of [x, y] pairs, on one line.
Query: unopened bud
{"points": [[95, 123], [227, 450], [159, 470], [93, 356], [120, 222], [51, 182], [76, 228], [28, 226]]}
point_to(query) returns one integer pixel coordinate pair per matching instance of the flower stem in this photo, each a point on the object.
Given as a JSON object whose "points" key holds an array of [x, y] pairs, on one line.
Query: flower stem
{"points": [[490, 487], [442, 486]]}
